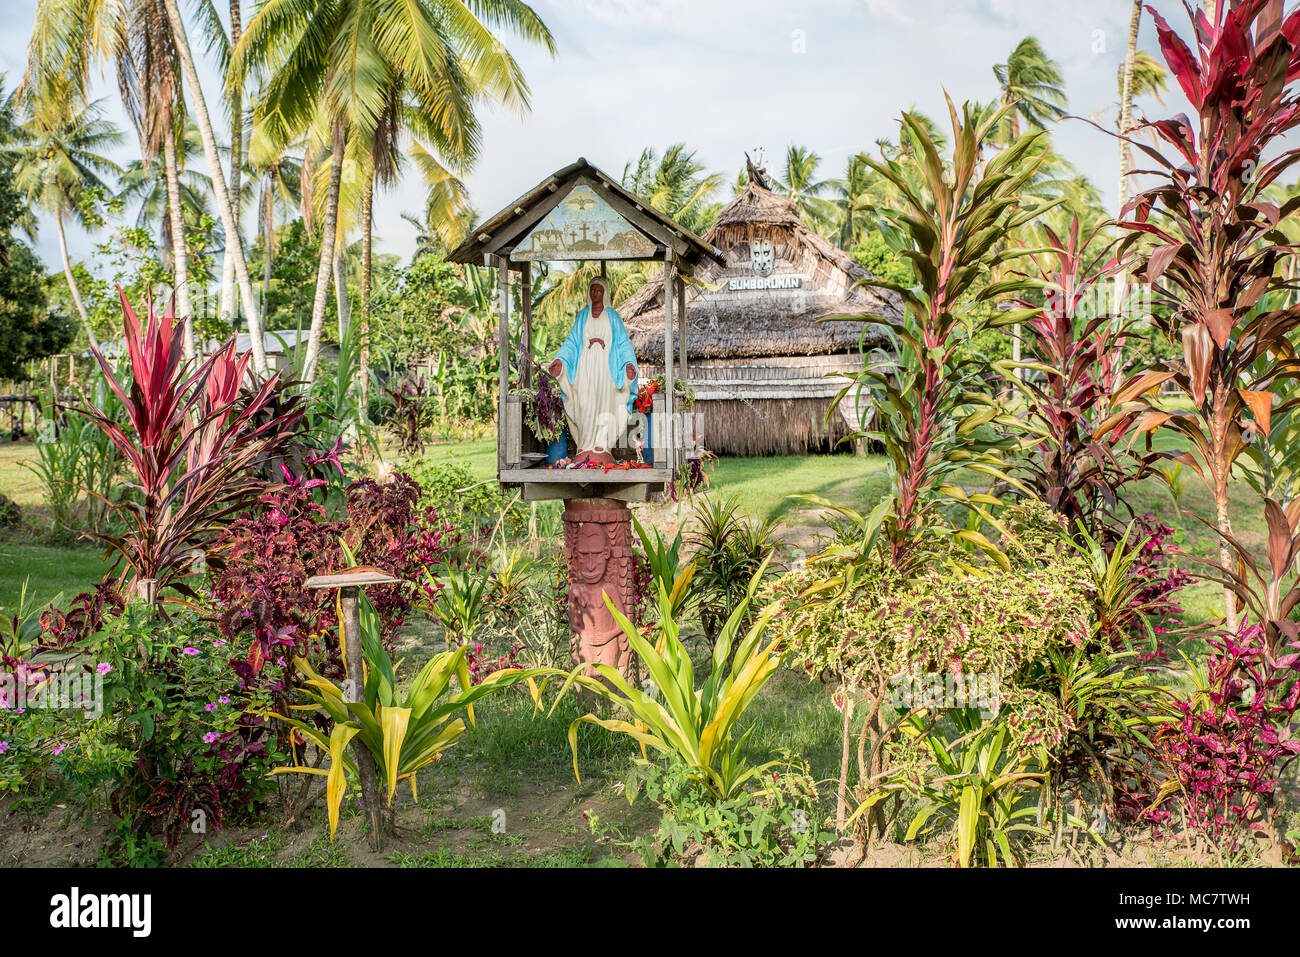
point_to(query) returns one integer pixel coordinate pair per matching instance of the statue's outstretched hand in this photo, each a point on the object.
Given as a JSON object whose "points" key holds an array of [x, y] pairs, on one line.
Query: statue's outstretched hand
{"points": [[556, 368]]}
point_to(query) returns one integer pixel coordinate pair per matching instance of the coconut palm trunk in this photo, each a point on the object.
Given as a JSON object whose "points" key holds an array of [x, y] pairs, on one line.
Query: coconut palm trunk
{"points": [[180, 255], [342, 305], [327, 239], [72, 282], [367, 236], [1125, 151], [225, 207], [269, 213], [236, 94]]}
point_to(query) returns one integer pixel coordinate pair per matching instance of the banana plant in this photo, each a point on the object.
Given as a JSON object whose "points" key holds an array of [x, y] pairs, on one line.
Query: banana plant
{"points": [[403, 732], [697, 727]]}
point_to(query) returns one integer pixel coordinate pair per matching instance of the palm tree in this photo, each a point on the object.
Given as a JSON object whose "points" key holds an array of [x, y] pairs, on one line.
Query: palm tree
{"points": [[220, 44], [1032, 82], [146, 184], [277, 179], [57, 162], [1139, 73], [799, 181], [675, 183], [853, 197], [447, 209], [351, 61], [70, 38], [1145, 75]]}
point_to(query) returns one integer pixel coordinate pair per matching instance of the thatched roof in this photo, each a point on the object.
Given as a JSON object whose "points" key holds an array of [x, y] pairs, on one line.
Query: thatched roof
{"points": [[725, 323]]}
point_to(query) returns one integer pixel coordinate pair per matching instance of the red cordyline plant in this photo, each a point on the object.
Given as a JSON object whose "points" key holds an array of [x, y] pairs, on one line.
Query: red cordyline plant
{"points": [[190, 447], [1212, 246], [955, 219], [1076, 348]]}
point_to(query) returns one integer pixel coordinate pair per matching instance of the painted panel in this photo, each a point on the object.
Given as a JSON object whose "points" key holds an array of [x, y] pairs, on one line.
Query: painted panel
{"points": [[583, 226]]}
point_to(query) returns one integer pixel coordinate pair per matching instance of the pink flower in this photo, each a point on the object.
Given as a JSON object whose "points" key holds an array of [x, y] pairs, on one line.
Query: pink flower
{"points": [[191, 651], [103, 667], [4, 746], [224, 699], [210, 737], [60, 749]]}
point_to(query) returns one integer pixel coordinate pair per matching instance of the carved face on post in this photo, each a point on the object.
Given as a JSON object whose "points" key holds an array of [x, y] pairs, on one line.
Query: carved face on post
{"points": [[593, 553], [762, 257]]}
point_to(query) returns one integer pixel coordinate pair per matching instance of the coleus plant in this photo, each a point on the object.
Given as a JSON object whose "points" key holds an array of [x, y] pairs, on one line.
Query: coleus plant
{"points": [[1224, 751], [1076, 348], [189, 447], [955, 220], [1211, 248]]}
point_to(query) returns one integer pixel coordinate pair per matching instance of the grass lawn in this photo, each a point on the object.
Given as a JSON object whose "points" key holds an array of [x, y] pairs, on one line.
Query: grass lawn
{"points": [[764, 484]]}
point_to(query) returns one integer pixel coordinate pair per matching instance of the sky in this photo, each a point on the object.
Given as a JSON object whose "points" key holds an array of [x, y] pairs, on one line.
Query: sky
{"points": [[726, 76]]}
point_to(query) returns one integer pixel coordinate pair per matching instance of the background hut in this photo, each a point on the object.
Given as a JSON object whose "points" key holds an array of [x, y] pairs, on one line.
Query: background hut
{"points": [[763, 367]]}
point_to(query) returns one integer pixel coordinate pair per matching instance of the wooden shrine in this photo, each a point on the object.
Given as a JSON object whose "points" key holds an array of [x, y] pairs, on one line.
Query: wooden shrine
{"points": [[579, 214]]}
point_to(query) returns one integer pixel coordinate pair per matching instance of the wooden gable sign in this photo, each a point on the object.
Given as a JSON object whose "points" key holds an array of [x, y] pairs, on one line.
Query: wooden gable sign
{"points": [[583, 225]]}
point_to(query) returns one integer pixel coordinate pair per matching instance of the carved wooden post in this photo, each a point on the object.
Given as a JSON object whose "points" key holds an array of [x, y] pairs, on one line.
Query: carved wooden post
{"points": [[349, 583], [598, 546]]}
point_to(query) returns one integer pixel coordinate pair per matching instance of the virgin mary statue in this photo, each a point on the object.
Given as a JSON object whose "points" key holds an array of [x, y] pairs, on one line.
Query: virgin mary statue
{"points": [[596, 368]]}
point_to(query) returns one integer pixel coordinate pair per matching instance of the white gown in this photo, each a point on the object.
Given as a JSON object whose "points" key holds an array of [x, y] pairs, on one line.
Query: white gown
{"points": [[596, 411]]}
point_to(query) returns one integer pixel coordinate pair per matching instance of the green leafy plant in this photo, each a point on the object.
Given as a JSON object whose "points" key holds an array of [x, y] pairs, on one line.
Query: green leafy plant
{"points": [[975, 787], [78, 463], [778, 824], [696, 727], [953, 222], [729, 548], [401, 732], [20, 629], [462, 597], [667, 570], [1113, 708]]}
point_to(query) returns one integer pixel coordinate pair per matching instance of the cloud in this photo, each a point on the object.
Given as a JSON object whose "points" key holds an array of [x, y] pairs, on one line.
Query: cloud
{"points": [[723, 75]]}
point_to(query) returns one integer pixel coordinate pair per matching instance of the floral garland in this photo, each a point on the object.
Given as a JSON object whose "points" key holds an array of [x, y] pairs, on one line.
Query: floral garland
{"points": [[544, 407]]}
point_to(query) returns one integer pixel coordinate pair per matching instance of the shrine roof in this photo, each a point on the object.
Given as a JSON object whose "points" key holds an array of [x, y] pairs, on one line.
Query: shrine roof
{"points": [[504, 232]]}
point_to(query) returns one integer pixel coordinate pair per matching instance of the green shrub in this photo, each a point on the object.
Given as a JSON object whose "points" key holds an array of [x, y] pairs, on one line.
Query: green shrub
{"points": [[862, 626], [475, 508], [776, 825]]}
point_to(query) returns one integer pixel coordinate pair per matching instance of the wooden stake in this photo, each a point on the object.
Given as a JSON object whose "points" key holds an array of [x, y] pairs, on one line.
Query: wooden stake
{"points": [[670, 282], [354, 691]]}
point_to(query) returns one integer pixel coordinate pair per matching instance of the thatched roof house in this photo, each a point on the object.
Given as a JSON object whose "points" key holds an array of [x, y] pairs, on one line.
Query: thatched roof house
{"points": [[763, 367]]}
